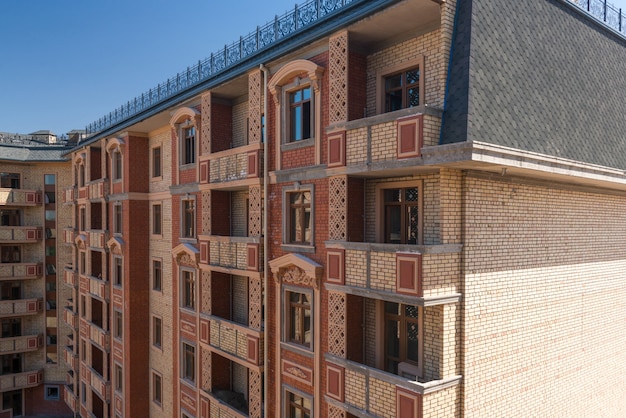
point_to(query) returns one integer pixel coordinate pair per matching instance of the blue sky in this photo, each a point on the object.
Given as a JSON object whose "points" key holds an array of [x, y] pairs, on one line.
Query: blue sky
{"points": [[66, 63]]}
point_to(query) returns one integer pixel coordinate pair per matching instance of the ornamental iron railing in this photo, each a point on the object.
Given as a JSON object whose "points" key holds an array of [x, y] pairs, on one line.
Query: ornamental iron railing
{"points": [[604, 11], [302, 16]]}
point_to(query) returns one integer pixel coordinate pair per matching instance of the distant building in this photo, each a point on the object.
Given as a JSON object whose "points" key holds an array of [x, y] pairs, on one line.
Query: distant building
{"points": [[366, 208], [32, 256]]}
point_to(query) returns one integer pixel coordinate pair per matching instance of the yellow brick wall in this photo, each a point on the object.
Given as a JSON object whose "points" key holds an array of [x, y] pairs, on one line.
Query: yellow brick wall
{"points": [[240, 125], [544, 301]]}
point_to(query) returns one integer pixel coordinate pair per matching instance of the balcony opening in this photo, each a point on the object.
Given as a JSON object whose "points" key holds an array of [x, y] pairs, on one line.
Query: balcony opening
{"points": [[97, 405], [96, 313], [95, 168], [230, 382], [95, 211], [220, 213], [97, 360], [13, 401], [10, 254], [10, 290], [10, 217], [9, 180], [96, 264], [230, 297], [11, 327], [11, 363]]}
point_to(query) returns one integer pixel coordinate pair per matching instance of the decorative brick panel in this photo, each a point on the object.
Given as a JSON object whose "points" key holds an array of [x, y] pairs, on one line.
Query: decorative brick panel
{"points": [[205, 406], [255, 205], [204, 252], [337, 149], [205, 331], [255, 97], [408, 404], [253, 164], [335, 382], [410, 136], [253, 257], [409, 274], [204, 171], [253, 350], [254, 303], [335, 259], [297, 372], [337, 210], [337, 324], [205, 135], [338, 77]]}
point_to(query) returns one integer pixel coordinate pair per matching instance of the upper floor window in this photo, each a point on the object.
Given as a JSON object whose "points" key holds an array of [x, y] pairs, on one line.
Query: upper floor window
{"points": [[300, 114], [188, 369], [189, 219], [188, 290], [189, 145], [156, 219], [402, 217], [300, 219], [118, 324], [298, 406], [157, 275], [10, 180], [118, 271], [298, 316], [156, 331], [402, 90], [117, 218], [156, 388], [116, 164], [156, 162], [10, 217], [119, 378], [81, 175], [402, 339]]}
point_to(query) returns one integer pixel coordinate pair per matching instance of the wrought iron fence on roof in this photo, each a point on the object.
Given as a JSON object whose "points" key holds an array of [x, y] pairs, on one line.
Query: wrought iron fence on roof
{"points": [[281, 27], [604, 11]]}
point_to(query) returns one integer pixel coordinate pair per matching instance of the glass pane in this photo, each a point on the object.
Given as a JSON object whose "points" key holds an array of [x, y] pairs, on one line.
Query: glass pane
{"points": [[413, 97], [410, 195], [392, 195], [296, 123], [412, 225], [306, 120], [412, 76], [393, 82], [412, 340], [392, 339], [410, 311], [393, 101], [393, 225], [392, 308], [49, 179], [296, 96], [307, 225]]}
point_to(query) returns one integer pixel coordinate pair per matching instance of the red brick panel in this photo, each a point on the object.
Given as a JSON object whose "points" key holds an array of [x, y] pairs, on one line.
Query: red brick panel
{"points": [[336, 266], [408, 404], [409, 274], [337, 149], [253, 257], [410, 136], [335, 382]]}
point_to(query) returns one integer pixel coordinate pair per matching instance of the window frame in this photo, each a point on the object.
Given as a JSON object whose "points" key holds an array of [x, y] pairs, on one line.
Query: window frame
{"points": [[288, 244], [49, 397], [381, 220], [289, 320], [290, 135], [391, 70], [384, 316], [288, 393], [156, 170], [188, 231], [184, 359], [156, 280], [118, 219], [156, 375], [188, 298], [119, 377], [118, 324], [117, 165], [117, 270], [157, 223], [157, 337], [188, 157]]}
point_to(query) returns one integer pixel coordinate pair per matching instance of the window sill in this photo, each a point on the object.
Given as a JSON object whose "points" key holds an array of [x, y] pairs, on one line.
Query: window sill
{"points": [[157, 178], [188, 240], [298, 349], [187, 166], [289, 146], [296, 248]]}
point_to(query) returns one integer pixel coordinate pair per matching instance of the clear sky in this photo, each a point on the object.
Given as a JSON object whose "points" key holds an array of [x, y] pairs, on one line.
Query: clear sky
{"points": [[66, 63]]}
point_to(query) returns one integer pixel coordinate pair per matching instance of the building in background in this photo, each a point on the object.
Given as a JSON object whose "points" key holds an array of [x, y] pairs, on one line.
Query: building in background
{"points": [[381, 208], [33, 173]]}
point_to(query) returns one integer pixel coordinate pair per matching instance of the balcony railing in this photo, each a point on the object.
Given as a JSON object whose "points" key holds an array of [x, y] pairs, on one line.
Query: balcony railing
{"points": [[21, 380], [20, 270], [232, 165], [604, 11], [95, 286], [219, 408], [83, 192], [71, 318], [97, 238], [69, 235], [70, 398], [70, 277], [69, 195], [70, 357], [231, 253], [234, 339], [96, 334], [101, 386], [20, 307], [384, 268], [19, 197], [351, 381], [303, 16], [98, 189], [20, 234], [20, 344]]}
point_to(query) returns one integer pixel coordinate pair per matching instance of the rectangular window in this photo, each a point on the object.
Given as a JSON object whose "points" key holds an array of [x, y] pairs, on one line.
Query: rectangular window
{"points": [[188, 369], [189, 145], [298, 406], [402, 90], [156, 388], [189, 219], [156, 162], [83, 263], [116, 162], [156, 219], [402, 338], [51, 393], [299, 218], [300, 114], [118, 324], [401, 213], [117, 219], [82, 223], [119, 378], [156, 331], [9, 180], [299, 318], [118, 271], [157, 271], [188, 290]]}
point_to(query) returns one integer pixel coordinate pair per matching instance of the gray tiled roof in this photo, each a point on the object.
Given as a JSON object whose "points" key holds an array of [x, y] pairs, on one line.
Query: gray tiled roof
{"points": [[49, 153]]}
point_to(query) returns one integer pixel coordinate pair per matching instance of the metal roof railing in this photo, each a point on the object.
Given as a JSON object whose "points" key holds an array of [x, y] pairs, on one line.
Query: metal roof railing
{"points": [[604, 11]]}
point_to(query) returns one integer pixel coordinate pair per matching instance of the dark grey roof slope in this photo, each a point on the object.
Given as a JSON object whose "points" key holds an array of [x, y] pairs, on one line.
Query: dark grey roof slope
{"points": [[50, 153], [542, 77]]}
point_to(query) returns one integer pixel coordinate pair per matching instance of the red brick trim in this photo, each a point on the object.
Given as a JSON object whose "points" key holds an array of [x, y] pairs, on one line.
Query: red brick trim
{"points": [[335, 382], [253, 350], [409, 274], [204, 171], [337, 149], [253, 257], [335, 259], [410, 136], [253, 164], [408, 404]]}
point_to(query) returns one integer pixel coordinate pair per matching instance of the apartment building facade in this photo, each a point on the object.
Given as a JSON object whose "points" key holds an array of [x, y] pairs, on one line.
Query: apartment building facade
{"points": [[358, 211], [32, 176]]}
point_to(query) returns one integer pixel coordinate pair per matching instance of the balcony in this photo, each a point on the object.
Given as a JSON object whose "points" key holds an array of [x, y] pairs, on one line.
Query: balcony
{"points": [[349, 382], [69, 235], [70, 398], [232, 338], [20, 307], [70, 277], [429, 272], [70, 357], [95, 334], [20, 234], [237, 255], [21, 344], [69, 195], [19, 197], [70, 318], [10, 271], [95, 287], [97, 239], [232, 165], [21, 380], [101, 386], [381, 142], [83, 192], [98, 189], [218, 407]]}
